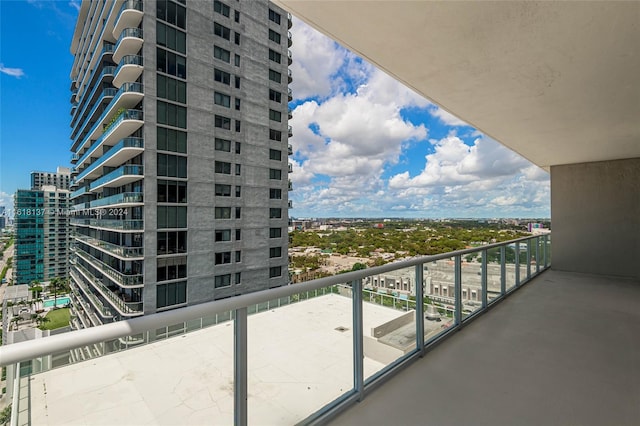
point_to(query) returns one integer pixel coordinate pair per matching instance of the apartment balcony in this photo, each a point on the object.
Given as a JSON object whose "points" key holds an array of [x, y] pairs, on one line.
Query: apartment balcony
{"points": [[104, 55], [289, 94], [129, 43], [290, 149], [123, 175], [78, 278], [121, 279], [289, 76], [129, 16], [524, 353], [290, 131], [129, 225], [122, 125], [289, 113], [289, 57], [289, 21], [289, 39], [290, 168], [122, 252], [106, 95], [290, 204], [120, 153], [290, 185], [125, 199], [81, 191], [129, 69], [103, 77]]}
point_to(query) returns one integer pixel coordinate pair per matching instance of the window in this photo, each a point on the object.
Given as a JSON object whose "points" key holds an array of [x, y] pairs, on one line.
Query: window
{"points": [[275, 193], [170, 191], [222, 99], [238, 256], [222, 76], [275, 76], [222, 280], [274, 16], [171, 268], [237, 82], [221, 8], [275, 271], [222, 54], [223, 235], [171, 140], [237, 101], [237, 16], [172, 115], [223, 145], [237, 125], [171, 242], [171, 294], [275, 232], [223, 122], [275, 252], [275, 213], [238, 146], [275, 115], [223, 258], [275, 154], [274, 36], [223, 190], [238, 276], [238, 190], [275, 174], [236, 38], [275, 96], [171, 12], [223, 167], [221, 31], [238, 234], [172, 166], [275, 135], [238, 212], [171, 38], [171, 63], [274, 56], [172, 217], [238, 169], [237, 60], [223, 212], [172, 89]]}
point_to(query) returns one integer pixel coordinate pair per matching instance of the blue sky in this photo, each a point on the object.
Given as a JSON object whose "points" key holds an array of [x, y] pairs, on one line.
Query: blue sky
{"points": [[364, 145]]}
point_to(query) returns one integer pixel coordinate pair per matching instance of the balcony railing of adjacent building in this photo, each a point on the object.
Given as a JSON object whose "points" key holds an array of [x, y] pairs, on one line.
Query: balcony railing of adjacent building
{"points": [[388, 328], [130, 253], [133, 144]]}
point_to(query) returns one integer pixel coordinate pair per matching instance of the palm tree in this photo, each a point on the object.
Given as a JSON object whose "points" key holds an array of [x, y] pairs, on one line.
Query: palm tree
{"points": [[57, 284]]}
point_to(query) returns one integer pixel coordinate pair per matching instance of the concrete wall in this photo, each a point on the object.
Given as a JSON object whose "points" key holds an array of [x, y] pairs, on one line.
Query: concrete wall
{"points": [[595, 216]]}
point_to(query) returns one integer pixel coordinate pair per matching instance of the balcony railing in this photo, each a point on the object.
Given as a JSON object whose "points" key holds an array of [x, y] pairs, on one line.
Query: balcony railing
{"points": [[122, 171], [118, 199], [123, 280], [114, 224], [120, 251], [358, 305], [130, 142]]}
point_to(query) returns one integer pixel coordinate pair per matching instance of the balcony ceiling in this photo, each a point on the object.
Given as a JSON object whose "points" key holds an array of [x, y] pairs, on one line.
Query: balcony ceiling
{"points": [[557, 82]]}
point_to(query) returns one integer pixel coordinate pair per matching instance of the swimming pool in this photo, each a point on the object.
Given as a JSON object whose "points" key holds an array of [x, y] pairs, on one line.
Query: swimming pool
{"points": [[60, 302]]}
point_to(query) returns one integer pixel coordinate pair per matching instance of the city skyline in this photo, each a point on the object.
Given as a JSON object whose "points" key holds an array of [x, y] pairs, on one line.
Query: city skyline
{"points": [[364, 145]]}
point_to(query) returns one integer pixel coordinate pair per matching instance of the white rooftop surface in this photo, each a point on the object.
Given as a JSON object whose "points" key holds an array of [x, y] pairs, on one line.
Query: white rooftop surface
{"points": [[297, 363]]}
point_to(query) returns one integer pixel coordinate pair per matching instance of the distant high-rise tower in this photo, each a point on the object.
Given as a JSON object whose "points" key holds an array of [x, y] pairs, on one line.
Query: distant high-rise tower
{"points": [[61, 179], [42, 236], [179, 140]]}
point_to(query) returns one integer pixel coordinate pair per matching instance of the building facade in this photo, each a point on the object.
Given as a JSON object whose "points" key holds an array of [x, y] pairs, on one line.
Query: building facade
{"points": [[42, 236], [61, 179], [180, 153]]}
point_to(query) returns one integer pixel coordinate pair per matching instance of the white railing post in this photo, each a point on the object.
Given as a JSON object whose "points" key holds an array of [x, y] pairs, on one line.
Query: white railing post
{"points": [[358, 333], [537, 254], [528, 259], [503, 270], [15, 400], [419, 283], [517, 270], [484, 282], [458, 289], [240, 367]]}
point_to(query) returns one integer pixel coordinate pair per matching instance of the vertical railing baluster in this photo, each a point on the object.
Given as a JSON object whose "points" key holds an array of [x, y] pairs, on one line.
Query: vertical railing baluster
{"points": [[458, 290], [528, 259], [240, 367], [503, 270], [545, 241], [517, 244], [484, 282], [358, 344], [537, 254], [419, 282]]}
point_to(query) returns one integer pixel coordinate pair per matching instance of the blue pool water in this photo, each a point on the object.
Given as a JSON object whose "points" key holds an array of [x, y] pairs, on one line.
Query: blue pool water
{"points": [[61, 302]]}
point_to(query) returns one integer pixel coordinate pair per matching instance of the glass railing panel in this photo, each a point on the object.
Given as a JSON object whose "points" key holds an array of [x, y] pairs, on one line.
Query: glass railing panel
{"points": [[525, 252], [285, 387], [472, 284], [510, 266], [440, 287], [494, 274]]}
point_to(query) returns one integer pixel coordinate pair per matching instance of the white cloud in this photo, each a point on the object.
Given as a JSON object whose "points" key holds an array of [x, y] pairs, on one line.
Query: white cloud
{"points": [[75, 5], [13, 72], [446, 117]]}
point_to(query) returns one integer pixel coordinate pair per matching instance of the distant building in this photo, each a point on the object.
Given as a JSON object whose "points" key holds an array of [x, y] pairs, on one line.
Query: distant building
{"points": [[3, 219], [41, 234], [61, 179]]}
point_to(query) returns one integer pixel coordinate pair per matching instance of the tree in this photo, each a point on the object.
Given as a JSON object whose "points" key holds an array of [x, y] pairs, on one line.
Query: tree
{"points": [[357, 266], [58, 284]]}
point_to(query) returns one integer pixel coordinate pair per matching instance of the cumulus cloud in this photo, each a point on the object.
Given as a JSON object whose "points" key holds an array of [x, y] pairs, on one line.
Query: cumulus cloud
{"points": [[13, 72], [446, 117]]}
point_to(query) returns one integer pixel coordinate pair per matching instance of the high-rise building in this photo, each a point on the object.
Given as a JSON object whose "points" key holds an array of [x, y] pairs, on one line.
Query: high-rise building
{"points": [[61, 179], [179, 140], [41, 234]]}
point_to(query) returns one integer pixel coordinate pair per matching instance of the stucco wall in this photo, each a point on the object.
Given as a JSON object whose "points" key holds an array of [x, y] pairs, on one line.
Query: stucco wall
{"points": [[595, 217]]}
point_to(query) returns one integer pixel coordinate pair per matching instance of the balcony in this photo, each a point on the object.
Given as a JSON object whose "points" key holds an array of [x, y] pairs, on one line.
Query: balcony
{"points": [[123, 175], [81, 191], [289, 76], [346, 341], [129, 16], [290, 131], [129, 69], [289, 21], [88, 100], [290, 168], [125, 199], [129, 43], [290, 204], [121, 152], [105, 95], [123, 252], [289, 94], [290, 149], [79, 279], [129, 225], [289, 57], [289, 39], [121, 279], [290, 186]]}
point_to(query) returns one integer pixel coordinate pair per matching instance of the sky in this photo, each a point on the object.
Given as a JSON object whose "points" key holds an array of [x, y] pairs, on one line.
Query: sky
{"points": [[364, 145]]}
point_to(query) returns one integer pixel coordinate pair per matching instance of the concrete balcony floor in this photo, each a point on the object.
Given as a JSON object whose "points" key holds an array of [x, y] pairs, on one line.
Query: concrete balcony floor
{"points": [[564, 350]]}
